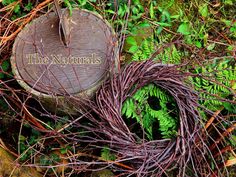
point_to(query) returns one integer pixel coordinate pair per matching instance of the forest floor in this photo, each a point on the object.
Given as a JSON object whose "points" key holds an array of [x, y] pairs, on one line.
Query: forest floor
{"points": [[198, 36]]}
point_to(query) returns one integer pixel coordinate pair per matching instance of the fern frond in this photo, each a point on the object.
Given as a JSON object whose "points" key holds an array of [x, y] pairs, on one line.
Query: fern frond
{"points": [[224, 75], [147, 115]]}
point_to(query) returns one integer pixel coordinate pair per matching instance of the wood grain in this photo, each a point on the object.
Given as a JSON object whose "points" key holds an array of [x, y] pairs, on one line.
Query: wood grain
{"points": [[45, 64]]}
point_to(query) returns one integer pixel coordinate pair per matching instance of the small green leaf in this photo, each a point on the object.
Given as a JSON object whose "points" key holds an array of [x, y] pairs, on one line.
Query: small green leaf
{"points": [[174, 16], [81, 2], [133, 49], [234, 86], [233, 140], [135, 10], [228, 106], [184, 29], [205, 38], [7, 2], [167, 16], [164, 24], [3, 104], [29, 6], [230, 48], [228, 2], [144, 24], [17, 8], [54, 157], [5, 65], [22, 138], [227, 22], [198, 44], [151, 11], [110, 11], [63, 150], [1, 75], [107, 155], [131, 40], [122, 10], [211, 46], [4, 2], [69, 6], [159, 30], [232, 29], [203, 10]]}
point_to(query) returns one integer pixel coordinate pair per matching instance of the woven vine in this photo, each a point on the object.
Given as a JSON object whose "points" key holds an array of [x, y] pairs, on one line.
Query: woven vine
{"points": [[146, 157]]}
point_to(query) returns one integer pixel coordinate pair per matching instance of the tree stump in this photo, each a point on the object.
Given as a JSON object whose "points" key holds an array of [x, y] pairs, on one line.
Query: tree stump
{"points": [[50, 70]]}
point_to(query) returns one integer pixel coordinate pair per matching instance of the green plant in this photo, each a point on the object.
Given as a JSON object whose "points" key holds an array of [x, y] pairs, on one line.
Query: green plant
{"points": [[26, 144], [3, 105], [47, 160], [16, 7], [170, 55], [107, 155], [4, 67], [19, 8], [137, 107], [31, 144], [143, 51], [217, 83], [151, 106], [195, 32], [165, 19]]}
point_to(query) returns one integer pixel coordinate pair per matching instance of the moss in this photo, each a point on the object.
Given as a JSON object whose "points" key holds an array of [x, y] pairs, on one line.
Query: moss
{"points": [[11, 168]]}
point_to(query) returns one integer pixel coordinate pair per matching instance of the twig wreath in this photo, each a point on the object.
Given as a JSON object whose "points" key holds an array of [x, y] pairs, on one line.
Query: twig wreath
{"points": [[154, 157]]}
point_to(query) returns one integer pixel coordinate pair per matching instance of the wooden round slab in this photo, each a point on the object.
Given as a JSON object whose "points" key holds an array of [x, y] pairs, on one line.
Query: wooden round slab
{"points": [[42, 61]]}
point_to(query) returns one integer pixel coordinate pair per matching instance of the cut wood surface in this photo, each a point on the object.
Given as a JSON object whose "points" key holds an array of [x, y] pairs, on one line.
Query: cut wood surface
{"points": [[42, 63]]}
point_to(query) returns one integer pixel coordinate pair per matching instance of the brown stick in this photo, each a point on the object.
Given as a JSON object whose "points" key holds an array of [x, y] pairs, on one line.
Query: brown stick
{"points": [[226, 132], [33, 13], [213, 118]]}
